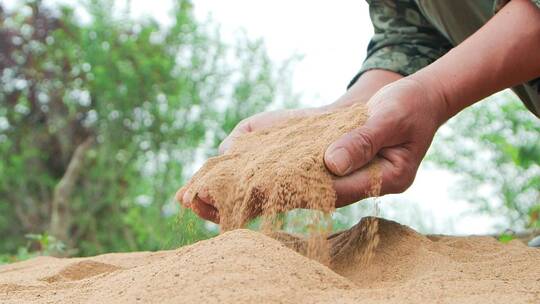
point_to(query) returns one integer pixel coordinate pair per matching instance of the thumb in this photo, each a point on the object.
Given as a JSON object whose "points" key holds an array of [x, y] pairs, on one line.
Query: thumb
{"points": [[353, 150]]}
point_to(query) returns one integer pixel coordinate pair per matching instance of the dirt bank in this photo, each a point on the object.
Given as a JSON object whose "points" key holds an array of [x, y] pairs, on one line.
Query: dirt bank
{"points": [[243, 266]]}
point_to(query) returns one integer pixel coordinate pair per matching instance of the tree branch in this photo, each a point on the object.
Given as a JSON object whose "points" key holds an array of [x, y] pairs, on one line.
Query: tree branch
{"points": [[60, 214]]}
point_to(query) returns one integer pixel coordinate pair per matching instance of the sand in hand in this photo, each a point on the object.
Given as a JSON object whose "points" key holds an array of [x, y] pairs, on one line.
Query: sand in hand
{"points": [[275, 169], [267, 172]]}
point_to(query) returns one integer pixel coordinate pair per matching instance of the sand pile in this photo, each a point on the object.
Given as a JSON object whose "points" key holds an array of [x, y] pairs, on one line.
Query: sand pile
{"points": [[243, 266]]}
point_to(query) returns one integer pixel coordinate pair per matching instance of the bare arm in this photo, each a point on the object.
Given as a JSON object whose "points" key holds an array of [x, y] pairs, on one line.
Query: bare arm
{"points": [[503, 53], [365, 87]]}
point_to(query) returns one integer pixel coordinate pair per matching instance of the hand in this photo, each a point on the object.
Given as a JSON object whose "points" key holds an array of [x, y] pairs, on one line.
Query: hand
{"points": [[203, 204], [403, 118]]}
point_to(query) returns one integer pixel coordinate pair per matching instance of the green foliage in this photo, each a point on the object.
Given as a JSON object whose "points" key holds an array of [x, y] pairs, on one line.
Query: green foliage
{"points": [[505, 238], [37, 244], [155, 99], [495, 147], [46, 243]]}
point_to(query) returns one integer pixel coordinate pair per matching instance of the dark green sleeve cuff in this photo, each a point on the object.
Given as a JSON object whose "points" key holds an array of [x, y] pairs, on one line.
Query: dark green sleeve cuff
{"points": [[404, 41], [402, 59]]}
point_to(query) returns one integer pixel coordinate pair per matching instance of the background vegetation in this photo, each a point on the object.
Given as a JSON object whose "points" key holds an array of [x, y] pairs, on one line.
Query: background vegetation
{"points": [[495, 147], [101, 120]]}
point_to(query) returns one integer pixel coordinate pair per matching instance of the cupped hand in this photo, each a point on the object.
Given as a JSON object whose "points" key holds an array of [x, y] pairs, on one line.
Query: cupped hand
{"points": [[403, 118], [203, 205]]}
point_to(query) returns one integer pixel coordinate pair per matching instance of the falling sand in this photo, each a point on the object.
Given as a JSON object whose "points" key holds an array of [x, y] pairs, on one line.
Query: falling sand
{"points": [[268, 172]]}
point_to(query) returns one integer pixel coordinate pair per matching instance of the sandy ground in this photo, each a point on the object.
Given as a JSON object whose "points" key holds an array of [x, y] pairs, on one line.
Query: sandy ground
{"points": [[243, 266]]}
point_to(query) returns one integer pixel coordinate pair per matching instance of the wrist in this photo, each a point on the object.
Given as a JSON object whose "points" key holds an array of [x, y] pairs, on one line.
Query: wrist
{"points": [[364, 88], [436, 96]]}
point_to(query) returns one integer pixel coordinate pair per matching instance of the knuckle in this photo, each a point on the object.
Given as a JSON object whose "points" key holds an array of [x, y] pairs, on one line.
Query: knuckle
{"points": [[361, 144], [244, 125], [179, 195], [401, 177], [360, 192]]}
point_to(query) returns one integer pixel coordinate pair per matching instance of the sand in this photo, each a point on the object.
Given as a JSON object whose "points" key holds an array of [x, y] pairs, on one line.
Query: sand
{"points": [[243, 266], [281, 168], [275, 169]]}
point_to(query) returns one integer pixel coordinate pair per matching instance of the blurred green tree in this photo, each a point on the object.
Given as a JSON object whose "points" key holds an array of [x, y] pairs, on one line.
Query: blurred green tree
{"points": [[495, 147], [100, 121]]}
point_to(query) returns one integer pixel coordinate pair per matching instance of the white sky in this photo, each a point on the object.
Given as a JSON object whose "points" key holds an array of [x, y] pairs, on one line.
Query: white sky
{"points": [[333, 40]]}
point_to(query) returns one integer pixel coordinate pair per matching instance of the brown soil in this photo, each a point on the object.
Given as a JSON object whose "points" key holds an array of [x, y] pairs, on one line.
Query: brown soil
{"points": [[243, 266]]}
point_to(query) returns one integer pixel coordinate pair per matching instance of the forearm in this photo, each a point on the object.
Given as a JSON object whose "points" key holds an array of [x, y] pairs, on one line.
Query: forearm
{"points": [[365, 87], [503, 53]]}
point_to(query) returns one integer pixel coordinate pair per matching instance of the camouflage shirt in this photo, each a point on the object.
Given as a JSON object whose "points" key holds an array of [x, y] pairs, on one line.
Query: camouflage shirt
{"points": [[410, 34]]}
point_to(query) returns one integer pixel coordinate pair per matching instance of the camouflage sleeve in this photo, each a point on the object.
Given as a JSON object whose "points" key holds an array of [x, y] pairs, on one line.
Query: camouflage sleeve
{"points": [[404, 41], [498, 4], [529, 92]]}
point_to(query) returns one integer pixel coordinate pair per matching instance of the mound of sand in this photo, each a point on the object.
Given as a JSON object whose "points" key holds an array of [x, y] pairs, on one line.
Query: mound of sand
{"points": [[243, 266]]}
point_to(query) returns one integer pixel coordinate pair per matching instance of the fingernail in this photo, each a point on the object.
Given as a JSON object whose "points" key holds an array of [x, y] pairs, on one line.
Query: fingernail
{"points": [[185, 199], [224, 146], [340, 160]]}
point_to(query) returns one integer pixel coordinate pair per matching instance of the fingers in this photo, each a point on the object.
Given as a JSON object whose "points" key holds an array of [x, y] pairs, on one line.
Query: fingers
{"points": [[354, 149], [354, 187], [201, 204], [204, 210], [179, 196], [397, 173], [241, 128]]}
